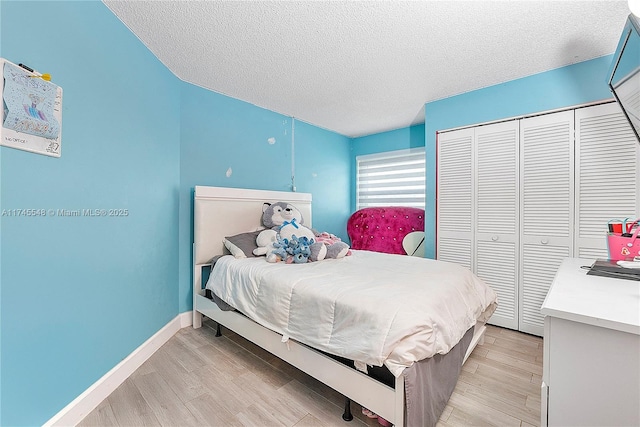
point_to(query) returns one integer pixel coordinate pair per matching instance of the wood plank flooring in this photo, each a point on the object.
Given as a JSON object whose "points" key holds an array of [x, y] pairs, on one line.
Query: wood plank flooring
{"points": [[196, 379]]}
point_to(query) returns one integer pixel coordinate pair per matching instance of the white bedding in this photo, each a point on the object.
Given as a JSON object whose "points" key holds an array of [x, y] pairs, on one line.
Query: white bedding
{"points": [[370, 307]]}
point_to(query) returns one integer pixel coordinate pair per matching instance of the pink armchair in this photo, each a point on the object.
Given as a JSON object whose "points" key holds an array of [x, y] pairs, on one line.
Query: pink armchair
{"points": [[382, 229]]}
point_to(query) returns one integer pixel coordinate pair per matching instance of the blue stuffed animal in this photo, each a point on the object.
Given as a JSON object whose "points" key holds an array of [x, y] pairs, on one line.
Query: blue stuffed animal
{"points": [[301, 250], [279, 250], [297, 249]]}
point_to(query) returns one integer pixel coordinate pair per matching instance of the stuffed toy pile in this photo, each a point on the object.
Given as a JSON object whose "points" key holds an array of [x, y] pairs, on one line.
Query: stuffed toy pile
{"points": [[287, 239]]}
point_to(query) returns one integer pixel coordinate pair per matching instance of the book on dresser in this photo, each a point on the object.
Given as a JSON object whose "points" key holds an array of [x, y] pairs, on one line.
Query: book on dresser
{"points": [[608, 268]]}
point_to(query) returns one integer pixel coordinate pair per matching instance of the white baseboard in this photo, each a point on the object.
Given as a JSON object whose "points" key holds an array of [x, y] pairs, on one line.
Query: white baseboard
{"points": [[186, 319], [82, 405]]}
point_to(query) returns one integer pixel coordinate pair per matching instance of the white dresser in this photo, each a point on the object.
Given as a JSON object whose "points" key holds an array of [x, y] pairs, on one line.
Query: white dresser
{"points": [[591, 365]]}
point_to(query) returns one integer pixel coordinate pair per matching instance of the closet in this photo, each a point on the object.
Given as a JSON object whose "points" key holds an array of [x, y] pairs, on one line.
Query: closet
{"points": [[517, 197]]}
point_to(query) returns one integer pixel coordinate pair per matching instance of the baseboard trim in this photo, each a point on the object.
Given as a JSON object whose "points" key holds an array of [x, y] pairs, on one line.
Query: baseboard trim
{"points": [[82, 405], [186, 319]]}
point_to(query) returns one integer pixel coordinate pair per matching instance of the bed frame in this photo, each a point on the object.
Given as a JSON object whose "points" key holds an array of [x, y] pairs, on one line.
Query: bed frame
{"points": [[220, 212]]}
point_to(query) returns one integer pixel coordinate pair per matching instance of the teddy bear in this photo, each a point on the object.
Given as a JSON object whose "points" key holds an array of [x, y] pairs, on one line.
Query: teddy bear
{"points": [[286, 220]]}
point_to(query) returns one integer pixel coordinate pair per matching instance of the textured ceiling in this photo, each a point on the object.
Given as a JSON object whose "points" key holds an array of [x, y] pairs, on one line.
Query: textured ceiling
{"points": [[362, 67]]}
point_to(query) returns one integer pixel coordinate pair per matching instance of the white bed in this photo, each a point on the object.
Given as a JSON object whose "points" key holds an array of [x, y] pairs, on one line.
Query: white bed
{"points": [[220, 212]]}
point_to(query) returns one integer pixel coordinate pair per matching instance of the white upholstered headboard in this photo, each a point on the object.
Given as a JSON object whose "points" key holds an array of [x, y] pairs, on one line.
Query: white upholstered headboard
{"points": [[219, 212]]}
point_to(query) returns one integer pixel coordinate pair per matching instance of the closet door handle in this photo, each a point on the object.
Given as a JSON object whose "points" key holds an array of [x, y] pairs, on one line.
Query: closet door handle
{"points": [[544, 241], [494, 238]]}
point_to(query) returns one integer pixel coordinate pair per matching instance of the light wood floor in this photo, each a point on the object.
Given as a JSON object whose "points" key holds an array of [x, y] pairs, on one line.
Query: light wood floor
{"points": [[196, 379]]}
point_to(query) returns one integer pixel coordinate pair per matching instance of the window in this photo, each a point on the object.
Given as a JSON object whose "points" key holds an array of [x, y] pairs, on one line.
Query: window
{"points": [[394, 178]]}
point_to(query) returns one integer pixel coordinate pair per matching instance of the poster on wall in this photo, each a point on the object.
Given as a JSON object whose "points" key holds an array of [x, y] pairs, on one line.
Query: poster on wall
{"points": [[31, 115]]}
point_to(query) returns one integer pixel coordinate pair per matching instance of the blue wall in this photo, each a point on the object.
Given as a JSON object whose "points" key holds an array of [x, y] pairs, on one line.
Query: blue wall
{"points": [[560, 88], [78, 294], [399, 139], [81, 293], [322, 169], [221, 134]]}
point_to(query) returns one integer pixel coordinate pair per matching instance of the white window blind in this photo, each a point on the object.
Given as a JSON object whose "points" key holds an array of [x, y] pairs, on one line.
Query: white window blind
{"points": [[393, 178]]}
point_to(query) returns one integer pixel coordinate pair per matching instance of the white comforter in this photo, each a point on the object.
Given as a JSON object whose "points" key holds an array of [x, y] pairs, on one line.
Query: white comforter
{"points": [[370, 307]]}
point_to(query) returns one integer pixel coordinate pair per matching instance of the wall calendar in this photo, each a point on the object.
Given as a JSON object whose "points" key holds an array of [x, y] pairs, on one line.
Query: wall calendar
{"points": [[31, 117]]}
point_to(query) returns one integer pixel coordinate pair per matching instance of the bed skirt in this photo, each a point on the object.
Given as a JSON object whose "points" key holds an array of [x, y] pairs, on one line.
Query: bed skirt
{"points": [[429, 384]]}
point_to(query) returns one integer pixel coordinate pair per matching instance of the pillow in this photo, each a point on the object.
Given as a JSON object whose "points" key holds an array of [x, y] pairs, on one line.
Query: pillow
{"points": [[242, 245]]}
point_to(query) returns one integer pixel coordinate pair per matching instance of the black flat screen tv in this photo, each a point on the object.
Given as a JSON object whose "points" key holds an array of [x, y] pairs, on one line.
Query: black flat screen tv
{"points": [[624, 76]]}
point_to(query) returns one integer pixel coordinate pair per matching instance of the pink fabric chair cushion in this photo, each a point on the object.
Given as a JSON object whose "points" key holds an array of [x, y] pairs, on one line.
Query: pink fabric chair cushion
{"points": [[381, 229]]}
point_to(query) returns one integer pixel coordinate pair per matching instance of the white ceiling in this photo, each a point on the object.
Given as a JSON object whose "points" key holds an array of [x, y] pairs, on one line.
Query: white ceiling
{"points": [[362, 67]]}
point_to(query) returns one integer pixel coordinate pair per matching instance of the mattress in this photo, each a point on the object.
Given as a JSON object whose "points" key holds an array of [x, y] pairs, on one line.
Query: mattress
{"points": [[376, 309]]}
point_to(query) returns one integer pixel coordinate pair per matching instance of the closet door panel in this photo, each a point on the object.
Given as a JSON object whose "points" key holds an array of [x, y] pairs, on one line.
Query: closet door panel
{"points": [[497, 172], [547, 169], [606, 175], [497, 266], [455, 210], [496, 201], [541, 261], [546, 199], [456, 250]]}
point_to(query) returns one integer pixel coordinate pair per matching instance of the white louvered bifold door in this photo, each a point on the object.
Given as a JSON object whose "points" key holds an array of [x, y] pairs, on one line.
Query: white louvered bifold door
{"points": [[496, 201], [547, 195], [606, 175], [454, 198]]}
